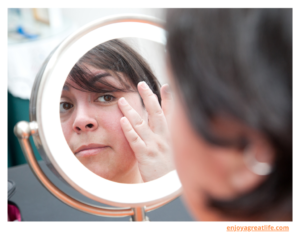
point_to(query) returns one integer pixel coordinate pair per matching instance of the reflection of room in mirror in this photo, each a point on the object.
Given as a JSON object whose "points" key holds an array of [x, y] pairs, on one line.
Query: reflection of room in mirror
{"points": [[89, 109]]}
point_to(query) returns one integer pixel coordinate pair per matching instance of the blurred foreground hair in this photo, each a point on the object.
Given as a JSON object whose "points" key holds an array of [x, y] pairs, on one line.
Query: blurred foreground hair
{"points": [[238, 62]]}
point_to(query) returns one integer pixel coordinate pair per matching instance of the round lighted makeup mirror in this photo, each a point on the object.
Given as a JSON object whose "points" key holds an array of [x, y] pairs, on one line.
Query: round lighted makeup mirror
{"points": [[45, 126]]}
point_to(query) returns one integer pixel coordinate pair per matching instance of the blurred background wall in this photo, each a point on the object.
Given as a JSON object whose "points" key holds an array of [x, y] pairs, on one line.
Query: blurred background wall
{"points": [[32, 34]]}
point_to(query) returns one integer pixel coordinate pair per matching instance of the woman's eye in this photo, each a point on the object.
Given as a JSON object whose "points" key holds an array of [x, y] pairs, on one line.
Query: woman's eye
{"points": [[106, 98], [65, 106]]}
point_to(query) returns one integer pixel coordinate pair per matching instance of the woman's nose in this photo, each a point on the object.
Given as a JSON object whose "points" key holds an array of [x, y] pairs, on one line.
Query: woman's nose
{"points": [[84, 123]]}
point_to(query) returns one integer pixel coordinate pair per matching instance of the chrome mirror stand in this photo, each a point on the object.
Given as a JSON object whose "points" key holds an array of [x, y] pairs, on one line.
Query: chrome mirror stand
{"points": [[23, 130]]}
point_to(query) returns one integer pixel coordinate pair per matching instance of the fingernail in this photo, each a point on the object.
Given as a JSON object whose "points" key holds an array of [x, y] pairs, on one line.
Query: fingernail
{"points": [[144, 85], [122, 101], [124, 120]]}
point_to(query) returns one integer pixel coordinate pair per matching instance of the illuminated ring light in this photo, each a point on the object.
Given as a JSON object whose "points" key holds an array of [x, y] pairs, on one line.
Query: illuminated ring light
{"points": [[44, 109]]}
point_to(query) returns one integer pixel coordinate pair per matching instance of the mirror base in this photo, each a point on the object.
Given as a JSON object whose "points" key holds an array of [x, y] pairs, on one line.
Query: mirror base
{"points": [[23, 130]]}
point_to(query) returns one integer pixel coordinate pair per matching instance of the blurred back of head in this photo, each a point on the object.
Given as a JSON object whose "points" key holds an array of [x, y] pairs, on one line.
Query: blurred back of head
{"points": [[238, 62]]}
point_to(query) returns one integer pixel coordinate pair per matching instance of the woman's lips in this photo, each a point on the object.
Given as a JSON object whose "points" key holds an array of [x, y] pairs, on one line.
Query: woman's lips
{"points": [[89, 150]]}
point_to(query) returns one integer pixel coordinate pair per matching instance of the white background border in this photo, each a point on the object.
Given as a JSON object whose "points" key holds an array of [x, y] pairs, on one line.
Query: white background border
{"points": [[159, 227]]}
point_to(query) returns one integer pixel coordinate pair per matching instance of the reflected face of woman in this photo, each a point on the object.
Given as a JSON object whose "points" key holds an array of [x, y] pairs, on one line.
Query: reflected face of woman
{"points": [[91, 126]]}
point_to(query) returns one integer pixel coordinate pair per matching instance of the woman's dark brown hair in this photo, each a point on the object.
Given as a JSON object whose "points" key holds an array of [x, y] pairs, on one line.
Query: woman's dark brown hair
{"points": [[239, 62], [114, 57]]}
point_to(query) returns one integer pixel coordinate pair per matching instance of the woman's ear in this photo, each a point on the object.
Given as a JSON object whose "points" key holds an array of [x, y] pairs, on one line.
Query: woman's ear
{"points": [[258, 159]]}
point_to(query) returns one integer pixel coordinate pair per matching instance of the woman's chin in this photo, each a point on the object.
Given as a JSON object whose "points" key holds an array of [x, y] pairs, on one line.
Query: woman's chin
{"points": [[99, 165]]}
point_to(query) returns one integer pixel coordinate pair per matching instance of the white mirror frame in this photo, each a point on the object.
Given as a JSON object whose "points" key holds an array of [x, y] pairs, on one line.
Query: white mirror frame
{"points": [[49, 125]]}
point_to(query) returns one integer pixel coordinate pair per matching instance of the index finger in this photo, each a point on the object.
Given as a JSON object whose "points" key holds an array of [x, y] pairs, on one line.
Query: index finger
{"points": [[157, 120]]}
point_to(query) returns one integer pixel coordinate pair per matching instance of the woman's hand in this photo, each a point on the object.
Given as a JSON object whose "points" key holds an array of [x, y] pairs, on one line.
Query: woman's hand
{"points": [[149, 140]]}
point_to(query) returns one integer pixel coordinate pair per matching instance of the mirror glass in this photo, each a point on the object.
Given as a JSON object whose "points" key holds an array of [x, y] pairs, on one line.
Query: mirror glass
{"points": [[46, 112], [89, 111]]}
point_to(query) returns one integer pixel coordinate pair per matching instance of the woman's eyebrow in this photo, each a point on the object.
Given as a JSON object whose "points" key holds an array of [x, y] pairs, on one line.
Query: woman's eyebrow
{"points": [[110, 85], [66, 88], [98, 77]]}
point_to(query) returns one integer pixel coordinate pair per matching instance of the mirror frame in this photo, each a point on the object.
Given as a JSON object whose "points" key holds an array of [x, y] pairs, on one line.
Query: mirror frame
{"points": [[44, 111]]}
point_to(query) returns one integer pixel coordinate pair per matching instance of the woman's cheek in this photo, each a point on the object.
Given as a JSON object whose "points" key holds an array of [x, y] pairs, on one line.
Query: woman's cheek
{"points": [[110, 120], [67, 130]]}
